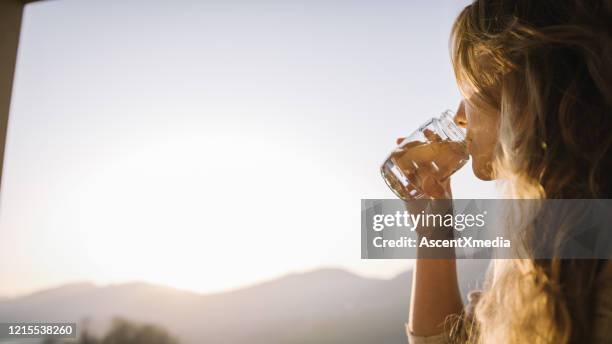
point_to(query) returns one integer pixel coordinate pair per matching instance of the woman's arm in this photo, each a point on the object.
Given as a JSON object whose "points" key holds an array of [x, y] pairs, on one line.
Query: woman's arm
{"points": [[435, 290], [435, 295]]}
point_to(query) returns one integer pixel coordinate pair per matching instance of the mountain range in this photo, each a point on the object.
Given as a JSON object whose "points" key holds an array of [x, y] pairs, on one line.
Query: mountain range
{"points": [[320, 306]]}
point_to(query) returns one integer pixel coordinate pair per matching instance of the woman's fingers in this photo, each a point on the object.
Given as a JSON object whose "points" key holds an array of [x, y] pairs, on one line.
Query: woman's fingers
{"points": [[432, 188], [405, 145], [431, 136]]}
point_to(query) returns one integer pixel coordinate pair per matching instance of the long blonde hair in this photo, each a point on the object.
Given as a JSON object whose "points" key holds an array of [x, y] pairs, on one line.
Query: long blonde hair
{"points": [[547, 66]]}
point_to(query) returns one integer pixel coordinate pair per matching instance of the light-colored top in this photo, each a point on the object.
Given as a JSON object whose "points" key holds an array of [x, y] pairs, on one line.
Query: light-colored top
{"points": [[441, 338], [602, 323]]}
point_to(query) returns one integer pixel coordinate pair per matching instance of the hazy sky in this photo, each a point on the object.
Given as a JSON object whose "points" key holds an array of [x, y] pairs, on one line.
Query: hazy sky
{"points": [[207, 145]]}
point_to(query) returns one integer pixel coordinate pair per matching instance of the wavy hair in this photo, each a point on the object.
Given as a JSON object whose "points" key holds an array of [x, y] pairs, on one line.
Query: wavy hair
{"points": [[546, 65]]}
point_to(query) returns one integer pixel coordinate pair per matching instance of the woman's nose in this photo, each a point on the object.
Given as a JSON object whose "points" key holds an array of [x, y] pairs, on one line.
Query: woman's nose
{"points": [[460, 117]]}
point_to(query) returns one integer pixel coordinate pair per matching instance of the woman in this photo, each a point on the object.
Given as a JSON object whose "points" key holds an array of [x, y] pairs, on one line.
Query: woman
{"points": [[536, 77]]}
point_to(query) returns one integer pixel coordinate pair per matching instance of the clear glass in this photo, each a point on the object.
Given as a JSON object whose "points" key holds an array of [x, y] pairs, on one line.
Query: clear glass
{"points": [[437, 149]]}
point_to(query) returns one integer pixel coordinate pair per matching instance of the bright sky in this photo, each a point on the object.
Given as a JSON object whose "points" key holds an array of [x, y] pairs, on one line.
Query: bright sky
{"points": [[206, 145]]}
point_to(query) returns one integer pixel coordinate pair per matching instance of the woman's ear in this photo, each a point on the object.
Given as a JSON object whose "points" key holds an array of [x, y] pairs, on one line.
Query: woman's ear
{"points": [[460, 117]]}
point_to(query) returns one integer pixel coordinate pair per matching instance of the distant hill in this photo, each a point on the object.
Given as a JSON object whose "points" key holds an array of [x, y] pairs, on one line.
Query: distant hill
{"points": [[321, 306]]}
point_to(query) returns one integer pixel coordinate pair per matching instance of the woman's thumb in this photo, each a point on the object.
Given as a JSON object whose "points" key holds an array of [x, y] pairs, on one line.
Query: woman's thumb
{"points": [[433, 188]]}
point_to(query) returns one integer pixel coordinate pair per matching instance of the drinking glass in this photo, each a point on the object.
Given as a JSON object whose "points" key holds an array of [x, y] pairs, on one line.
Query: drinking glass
{"points": [[437, 149]]}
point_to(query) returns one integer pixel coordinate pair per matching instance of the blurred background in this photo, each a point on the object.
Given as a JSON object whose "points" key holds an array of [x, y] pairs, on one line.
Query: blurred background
{"points": [[199, 165]]}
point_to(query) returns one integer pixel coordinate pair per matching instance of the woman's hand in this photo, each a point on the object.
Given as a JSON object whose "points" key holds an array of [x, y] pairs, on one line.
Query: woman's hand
{"points": [[427, 162]]}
